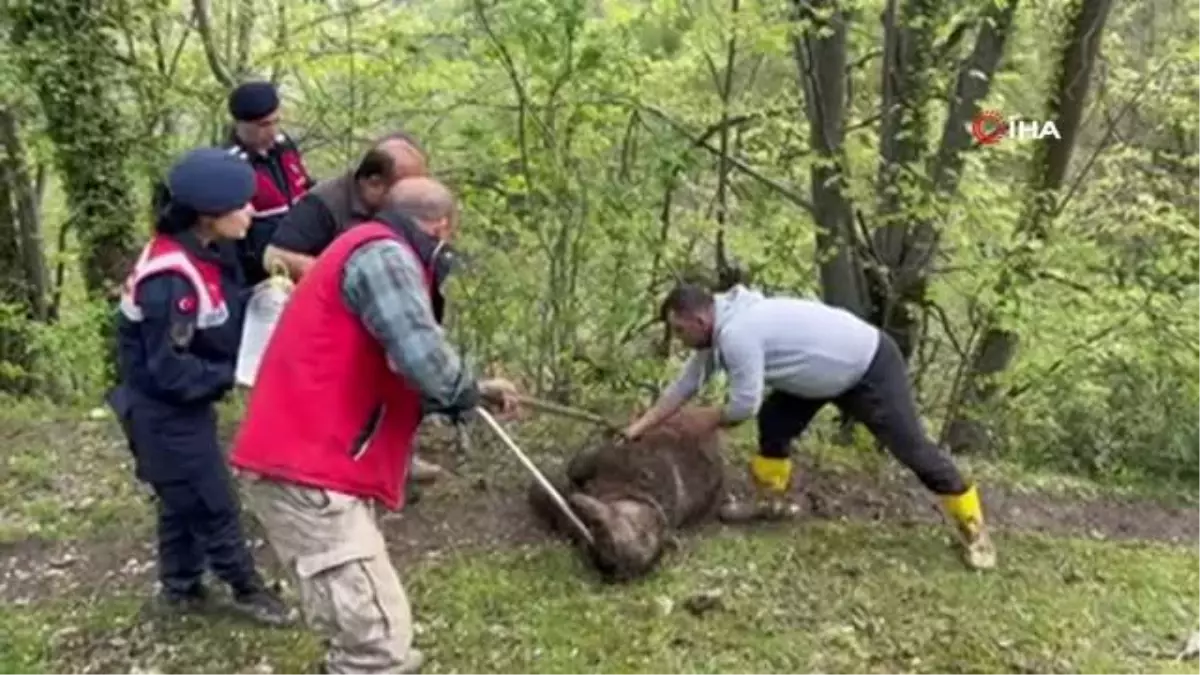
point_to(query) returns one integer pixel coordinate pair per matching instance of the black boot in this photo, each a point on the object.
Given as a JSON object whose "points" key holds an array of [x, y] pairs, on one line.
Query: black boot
{"points": [[264, 606], [193, 600]]}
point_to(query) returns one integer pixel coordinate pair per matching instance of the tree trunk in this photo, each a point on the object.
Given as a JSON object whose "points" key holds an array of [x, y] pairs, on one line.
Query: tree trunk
{"points": [[21, 293], [908, 62], [906, 244], [973, 84], [31, 267], [68, 57], [820, 57], [996, 350], [724, 273]]}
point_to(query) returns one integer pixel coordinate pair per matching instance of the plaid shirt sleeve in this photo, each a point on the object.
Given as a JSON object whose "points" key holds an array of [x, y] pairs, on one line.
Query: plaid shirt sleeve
{"points": [[384, 284]]}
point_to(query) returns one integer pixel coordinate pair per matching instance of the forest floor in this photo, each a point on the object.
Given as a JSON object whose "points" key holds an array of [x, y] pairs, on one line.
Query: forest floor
{"points": [[1091, 578]]}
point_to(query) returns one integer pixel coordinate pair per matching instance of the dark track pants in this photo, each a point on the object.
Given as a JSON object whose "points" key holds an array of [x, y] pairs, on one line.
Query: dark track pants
{"points": [[883, 402]]}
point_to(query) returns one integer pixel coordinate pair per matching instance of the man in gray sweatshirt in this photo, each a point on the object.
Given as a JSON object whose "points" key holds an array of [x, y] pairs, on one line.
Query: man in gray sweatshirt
{"points": [[807, 354]]}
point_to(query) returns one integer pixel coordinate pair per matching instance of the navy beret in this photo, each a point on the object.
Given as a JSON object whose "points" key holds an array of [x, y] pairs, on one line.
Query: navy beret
{"points": [[253, 101], [211, 181]]}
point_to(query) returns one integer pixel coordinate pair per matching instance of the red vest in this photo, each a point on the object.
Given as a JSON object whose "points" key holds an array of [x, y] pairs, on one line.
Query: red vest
{"points": [[326, 411], [271, 198], [164, 254]]}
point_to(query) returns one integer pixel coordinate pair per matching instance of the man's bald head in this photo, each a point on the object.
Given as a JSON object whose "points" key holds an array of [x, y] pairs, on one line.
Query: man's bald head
{"points": [[407, 159], [427, 201], [392, 158]]}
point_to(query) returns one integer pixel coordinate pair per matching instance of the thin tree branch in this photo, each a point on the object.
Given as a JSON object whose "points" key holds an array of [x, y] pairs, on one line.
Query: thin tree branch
{"points": [[202, 9], [790, 193]]}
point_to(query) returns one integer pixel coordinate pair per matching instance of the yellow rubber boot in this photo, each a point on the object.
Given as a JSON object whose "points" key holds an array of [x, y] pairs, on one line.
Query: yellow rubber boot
{"points": [[967, 514], [772, 474], [772, 477]]}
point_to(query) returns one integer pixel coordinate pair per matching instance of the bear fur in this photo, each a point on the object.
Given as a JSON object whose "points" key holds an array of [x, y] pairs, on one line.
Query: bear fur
{"points": [[634, 496]]}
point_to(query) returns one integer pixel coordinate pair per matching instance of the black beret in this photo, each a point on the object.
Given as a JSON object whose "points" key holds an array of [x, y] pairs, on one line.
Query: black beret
{"points": [[253, 101], [211, 181]]}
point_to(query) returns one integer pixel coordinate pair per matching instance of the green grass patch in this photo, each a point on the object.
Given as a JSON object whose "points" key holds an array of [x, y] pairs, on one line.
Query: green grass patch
{"points": [[127, 634], [70, 476], [1045, 481], [827, 597], [73, 471]]}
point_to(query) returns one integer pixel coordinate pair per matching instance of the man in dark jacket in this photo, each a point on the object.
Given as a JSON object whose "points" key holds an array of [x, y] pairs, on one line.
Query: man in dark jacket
{"points": [[337, 204]]}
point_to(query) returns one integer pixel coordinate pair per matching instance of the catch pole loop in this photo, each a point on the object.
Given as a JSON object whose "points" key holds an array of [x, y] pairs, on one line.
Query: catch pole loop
{"points": [[546, 485]]}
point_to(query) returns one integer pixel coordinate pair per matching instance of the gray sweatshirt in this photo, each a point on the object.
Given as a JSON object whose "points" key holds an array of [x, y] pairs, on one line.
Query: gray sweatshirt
{"points": [[802, 347]]}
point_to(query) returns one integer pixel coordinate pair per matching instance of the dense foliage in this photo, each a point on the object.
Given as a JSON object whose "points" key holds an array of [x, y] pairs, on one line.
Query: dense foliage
{"points": [[1047, 290]]}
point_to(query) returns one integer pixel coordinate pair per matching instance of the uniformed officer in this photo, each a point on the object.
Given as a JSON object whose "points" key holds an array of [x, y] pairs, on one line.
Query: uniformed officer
{"points": [[281, 178], [178, 332]]}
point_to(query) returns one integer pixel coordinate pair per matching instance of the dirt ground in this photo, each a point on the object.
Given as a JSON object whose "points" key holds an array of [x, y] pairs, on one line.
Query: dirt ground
{"points": [[482, 506]]}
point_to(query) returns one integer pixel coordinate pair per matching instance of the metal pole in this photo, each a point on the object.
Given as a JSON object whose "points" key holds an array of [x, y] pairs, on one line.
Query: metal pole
{"points": [[546, 485], [566, 411]]}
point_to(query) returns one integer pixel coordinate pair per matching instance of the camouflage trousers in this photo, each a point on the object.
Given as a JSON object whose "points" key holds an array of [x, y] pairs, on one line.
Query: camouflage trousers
{"points": [[348, 589]]}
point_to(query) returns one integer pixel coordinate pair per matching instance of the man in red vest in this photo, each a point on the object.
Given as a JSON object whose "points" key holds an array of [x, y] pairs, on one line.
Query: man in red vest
{"points": [[355, 359], [337, 204], [280, 177]]}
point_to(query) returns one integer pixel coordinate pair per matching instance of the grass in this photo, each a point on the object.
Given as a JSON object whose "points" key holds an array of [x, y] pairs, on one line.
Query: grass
{"points": [[829, 597], [73, 475], [74, 472]]}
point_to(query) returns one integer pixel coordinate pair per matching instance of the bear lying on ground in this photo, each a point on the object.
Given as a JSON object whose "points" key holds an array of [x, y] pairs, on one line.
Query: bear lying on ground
{"points": [[634, 496]]}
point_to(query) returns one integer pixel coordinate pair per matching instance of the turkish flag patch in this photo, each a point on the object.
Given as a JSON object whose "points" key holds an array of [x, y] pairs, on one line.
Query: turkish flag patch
{"points": [[187, 304]]}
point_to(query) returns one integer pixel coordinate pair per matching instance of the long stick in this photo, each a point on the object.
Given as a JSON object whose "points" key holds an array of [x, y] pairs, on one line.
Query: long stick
{"points": [[546, 485], [574, 413]]}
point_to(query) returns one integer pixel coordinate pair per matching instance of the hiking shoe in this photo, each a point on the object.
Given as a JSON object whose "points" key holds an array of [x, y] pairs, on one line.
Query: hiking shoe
{"points": [[412, 663], [979, 553], [771, 477], [265, 607]]}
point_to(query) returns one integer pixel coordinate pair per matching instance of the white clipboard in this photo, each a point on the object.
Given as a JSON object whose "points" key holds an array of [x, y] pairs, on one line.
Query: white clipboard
{"points": [[262, 314]]}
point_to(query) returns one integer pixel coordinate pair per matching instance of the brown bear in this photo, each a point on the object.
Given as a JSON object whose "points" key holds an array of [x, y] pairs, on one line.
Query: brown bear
{"points": [[633, 496]]}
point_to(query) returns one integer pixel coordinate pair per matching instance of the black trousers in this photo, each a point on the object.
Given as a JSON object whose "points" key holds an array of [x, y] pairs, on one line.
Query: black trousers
{"points": [[178, 455], [883, 402], [198, 523]]}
